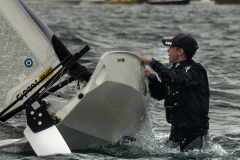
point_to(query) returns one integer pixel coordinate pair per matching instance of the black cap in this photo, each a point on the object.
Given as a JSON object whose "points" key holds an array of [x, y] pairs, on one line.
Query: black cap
{"points": [[184, 41]]}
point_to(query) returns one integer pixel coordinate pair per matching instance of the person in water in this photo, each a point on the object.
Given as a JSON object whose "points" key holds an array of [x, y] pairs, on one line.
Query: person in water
{"points": [[184, 87]]}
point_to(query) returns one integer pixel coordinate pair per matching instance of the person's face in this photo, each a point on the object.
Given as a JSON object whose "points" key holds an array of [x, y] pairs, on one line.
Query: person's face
{"points": [[173, 54]]}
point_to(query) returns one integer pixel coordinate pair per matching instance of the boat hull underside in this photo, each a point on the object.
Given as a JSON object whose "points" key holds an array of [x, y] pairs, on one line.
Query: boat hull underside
{"points": [[104, 116], [117, 110]]}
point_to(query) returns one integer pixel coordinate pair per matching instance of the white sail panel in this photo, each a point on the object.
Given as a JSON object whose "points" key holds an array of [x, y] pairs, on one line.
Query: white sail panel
{"points": [[26, 52]]}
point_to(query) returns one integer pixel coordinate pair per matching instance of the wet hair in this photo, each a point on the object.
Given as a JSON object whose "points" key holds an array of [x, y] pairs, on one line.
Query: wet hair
{"points": [[188, 55]]}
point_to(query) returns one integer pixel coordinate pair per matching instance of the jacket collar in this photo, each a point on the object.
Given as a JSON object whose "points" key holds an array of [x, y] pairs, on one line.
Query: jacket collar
{"points": [[181, 64]]}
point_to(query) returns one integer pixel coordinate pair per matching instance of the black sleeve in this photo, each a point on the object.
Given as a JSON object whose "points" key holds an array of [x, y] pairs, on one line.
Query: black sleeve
{"points": [[187, 78], [156, 89]]}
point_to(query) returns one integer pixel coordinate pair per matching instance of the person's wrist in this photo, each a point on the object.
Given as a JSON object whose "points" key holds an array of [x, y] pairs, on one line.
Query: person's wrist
{"points": [[148, 61], [152, 62]]}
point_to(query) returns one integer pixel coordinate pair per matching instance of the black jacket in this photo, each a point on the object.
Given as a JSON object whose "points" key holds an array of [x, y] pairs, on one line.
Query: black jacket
{"points": [[185, 89]]}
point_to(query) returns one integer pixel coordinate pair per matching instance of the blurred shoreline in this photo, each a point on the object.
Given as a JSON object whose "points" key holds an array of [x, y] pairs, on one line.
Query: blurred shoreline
{"points": [[77, 2]]}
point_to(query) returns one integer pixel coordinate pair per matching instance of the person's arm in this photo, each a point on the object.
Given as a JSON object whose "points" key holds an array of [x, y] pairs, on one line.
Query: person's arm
{"points": [[156, 89], [145, 60], [188, 76]]}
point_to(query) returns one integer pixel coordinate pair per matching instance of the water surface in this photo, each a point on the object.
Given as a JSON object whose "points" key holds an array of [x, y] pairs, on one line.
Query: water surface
{"points": [[139, 29]]}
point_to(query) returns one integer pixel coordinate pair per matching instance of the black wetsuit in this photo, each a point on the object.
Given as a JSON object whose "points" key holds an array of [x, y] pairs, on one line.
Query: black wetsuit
{"points": [[186, 92]]}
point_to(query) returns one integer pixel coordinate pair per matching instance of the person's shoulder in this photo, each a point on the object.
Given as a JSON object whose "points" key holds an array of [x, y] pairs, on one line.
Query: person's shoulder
{"points": [[197, 65]]}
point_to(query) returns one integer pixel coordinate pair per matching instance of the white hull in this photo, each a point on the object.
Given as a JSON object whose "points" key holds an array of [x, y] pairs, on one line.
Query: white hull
{"points": [[113, 105]]}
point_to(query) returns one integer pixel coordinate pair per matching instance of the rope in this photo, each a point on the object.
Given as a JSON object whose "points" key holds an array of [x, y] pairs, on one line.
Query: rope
{"points": [[60, 79], [50, 84], [84, 82], [67, 98], [24, 117], [67, 84]]}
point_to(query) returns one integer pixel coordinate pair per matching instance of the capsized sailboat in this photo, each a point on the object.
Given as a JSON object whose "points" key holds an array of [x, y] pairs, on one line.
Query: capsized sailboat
{"points": [[111, 106]]}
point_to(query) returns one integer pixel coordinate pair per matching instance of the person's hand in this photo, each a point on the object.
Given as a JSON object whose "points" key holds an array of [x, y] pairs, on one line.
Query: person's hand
{"points": [[145, 60], [149, 74]]}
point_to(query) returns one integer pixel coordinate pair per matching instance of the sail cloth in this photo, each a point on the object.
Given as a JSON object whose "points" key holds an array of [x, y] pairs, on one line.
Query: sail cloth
{"points": [[26, 51]]}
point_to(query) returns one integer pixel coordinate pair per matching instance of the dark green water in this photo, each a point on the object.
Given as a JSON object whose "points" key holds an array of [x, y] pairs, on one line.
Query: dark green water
{"points": [[139, 29]]}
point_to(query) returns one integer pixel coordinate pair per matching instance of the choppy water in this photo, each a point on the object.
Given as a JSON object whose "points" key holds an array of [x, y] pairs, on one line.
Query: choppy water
{"points": [[139, 29]]}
